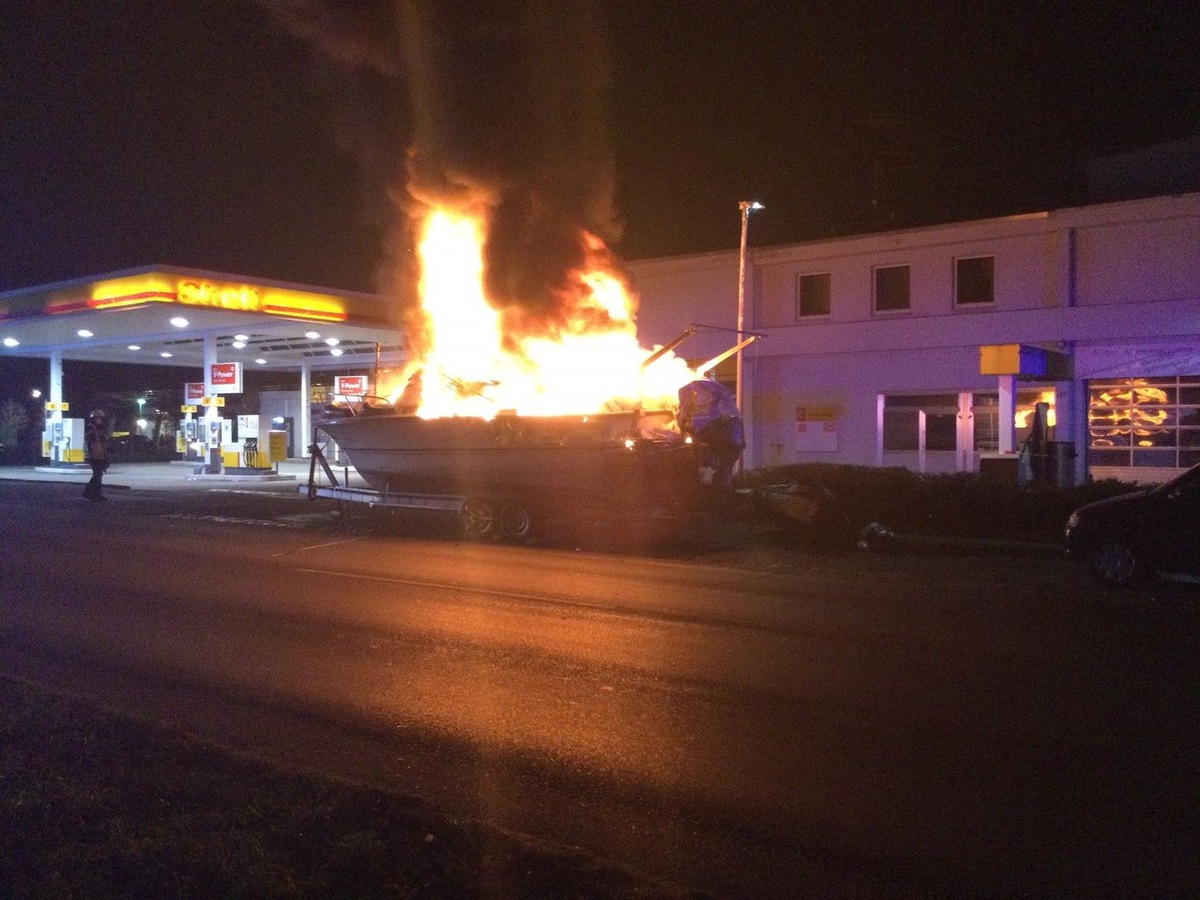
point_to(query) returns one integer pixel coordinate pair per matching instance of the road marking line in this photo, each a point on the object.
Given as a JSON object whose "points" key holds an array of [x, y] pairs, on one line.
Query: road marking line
{"points": [[318, 547], [441, 585]]}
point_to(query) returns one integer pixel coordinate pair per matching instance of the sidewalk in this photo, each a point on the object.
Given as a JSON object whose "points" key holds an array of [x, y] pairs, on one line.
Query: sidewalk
{"points": [[174, 475]]}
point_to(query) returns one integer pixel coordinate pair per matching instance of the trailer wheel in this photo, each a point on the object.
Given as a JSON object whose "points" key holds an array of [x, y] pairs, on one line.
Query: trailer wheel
{"points": [[516, 521], [478, 519]]}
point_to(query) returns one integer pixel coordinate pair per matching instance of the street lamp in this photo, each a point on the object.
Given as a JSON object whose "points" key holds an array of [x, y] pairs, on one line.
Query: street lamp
{"points": [[746, 207], [141, 423]]}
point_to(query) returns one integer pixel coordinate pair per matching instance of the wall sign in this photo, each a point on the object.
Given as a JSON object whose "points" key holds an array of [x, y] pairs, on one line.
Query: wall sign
{"points": [[817, 429], [226, 378], [350, 385], [222, 296]]}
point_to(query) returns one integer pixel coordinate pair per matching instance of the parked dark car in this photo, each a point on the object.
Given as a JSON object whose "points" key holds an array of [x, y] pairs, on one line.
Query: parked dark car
{"points": [[1137, 536], [134, 448]]}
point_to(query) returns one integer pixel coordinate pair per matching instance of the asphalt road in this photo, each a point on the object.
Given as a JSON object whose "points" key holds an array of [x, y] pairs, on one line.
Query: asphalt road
{"points": [[744, 721]]}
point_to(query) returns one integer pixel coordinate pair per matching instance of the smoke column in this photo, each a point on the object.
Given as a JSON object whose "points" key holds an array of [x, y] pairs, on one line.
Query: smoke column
{"points": [[508, 108]]}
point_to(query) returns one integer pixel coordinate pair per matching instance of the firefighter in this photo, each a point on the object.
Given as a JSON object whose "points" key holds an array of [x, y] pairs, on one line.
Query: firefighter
{"points": [[95, 436]]}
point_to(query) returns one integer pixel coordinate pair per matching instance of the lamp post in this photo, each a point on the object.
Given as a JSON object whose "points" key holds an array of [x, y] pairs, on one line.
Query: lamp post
{"points": [[746, 207], [141, 401]]}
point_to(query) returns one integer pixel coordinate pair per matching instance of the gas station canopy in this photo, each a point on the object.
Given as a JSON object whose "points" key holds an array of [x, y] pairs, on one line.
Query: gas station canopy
{"points": [[165, 315]]}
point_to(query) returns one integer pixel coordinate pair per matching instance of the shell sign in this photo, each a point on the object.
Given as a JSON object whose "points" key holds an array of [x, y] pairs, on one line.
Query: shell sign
{"points": [[223, 296]]}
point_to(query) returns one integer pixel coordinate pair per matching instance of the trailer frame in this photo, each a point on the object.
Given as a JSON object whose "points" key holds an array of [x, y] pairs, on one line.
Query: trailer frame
{"points": [[480, 517]]}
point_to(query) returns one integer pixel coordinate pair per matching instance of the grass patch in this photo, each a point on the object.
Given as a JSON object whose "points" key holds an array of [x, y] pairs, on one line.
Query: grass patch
{"points": [[96, 805]]}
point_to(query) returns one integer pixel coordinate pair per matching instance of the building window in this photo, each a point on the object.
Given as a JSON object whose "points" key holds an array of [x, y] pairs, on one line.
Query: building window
{"points": [[975, 280], [901, 422], [891, 288], [812, 295], [985, 409], [899, 429], [1144, 422]]}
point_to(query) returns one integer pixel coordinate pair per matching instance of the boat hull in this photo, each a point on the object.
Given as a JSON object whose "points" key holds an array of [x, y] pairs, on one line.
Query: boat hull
{"points": [[593, 460]]}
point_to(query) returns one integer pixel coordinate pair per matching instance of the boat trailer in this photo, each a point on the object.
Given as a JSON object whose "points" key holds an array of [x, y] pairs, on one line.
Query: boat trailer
{"points": [[331, 489], [480, 518]]}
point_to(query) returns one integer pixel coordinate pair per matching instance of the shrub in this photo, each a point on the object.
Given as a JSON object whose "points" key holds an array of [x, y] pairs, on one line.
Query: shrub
{"points": [[14, 419]]}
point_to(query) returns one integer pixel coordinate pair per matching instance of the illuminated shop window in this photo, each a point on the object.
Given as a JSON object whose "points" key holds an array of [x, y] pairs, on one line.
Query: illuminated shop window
{"points": [[985, 410], [1144, 422]]}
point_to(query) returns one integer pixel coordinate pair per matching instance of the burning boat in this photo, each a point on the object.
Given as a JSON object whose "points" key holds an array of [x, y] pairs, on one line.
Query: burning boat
{"points": [[534, 388], [519, 410], [513, 470]]}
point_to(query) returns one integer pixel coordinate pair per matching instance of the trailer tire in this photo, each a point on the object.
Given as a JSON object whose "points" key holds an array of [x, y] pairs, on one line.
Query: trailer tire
{"points": [[516, 521], [478, 519]]}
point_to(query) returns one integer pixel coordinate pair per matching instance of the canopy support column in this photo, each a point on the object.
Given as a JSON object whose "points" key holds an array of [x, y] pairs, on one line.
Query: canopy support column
{"points": [[305, 435], [1007, 385], [212, 412], [50, 445]]}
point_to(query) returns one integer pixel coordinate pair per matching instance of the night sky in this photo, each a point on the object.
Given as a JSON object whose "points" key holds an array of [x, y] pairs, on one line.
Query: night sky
{"points": [[269, 138]]}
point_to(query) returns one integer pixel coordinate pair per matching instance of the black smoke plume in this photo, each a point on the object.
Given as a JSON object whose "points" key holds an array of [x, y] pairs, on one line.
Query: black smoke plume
{"points": [[507, 99]]}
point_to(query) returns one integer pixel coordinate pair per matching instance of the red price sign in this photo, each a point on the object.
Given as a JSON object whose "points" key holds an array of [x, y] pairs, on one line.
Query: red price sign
{"points": [[224, 373], [350, 385], [226, 378]]}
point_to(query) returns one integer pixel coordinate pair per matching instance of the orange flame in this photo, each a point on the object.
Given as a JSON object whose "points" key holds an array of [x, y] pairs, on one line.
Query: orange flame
{"points": [[481, 360]]}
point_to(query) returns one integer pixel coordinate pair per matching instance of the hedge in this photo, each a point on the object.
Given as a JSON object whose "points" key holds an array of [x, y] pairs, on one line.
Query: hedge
{"points": [[957, 505]]}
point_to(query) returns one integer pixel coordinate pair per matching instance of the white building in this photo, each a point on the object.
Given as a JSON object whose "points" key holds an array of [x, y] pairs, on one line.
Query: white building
{"points": [[871, 345]]}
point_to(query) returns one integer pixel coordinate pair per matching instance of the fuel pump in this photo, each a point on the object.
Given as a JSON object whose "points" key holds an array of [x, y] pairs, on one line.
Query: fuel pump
{"points": [[64, 440], [213, 440], [190, 441], [254, 452], [49, 450]]}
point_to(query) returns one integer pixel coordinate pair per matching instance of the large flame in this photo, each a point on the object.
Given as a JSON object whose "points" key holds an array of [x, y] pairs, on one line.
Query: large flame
{"points": [[480, 360]]}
